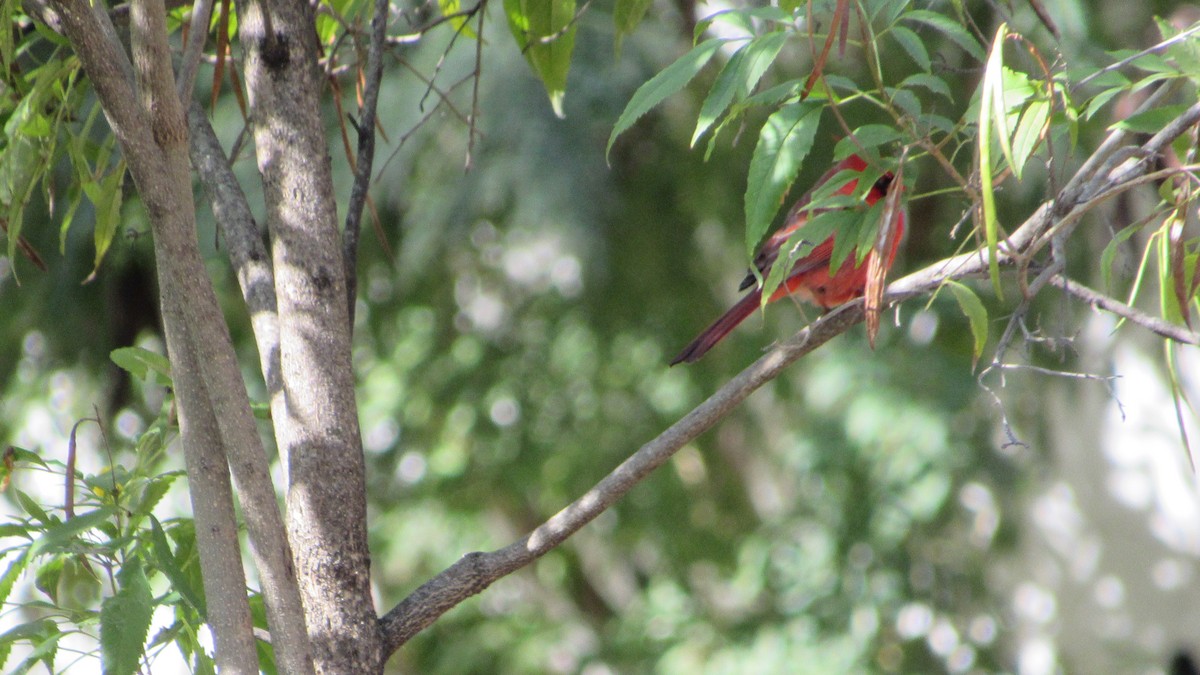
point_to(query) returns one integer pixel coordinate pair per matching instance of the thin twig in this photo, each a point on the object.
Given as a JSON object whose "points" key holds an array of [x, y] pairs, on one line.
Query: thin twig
{"points": [[1134, 57], [1166, 329], [474, 119], [366, 154]]}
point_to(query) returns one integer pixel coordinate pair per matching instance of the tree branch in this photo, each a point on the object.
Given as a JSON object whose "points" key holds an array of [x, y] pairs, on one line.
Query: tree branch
{"points": [[474, 572], [205, 335], [366, 153], [194, 50], [247, 253], [1166, 329]]}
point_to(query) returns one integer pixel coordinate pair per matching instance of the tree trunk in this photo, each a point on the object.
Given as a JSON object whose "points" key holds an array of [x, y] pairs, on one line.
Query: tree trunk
{"points": [[318, 435]]}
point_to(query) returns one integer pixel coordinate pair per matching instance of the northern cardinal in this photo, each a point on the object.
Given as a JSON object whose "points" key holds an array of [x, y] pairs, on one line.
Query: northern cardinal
{"points": [[809, 279]]}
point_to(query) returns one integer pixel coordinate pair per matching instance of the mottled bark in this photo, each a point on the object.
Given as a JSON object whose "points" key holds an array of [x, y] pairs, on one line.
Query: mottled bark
{"points": [[318, 435]]}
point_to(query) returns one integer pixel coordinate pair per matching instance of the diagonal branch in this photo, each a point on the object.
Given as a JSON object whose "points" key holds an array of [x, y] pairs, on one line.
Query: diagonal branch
{"points": [[247, 253], [476, 571]]}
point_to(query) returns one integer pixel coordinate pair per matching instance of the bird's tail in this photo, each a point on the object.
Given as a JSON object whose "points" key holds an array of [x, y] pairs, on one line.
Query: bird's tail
{"points": [[719, 329]]}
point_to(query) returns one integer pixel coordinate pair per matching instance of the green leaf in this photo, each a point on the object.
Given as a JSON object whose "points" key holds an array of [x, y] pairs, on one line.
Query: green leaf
{"points": [[745, 22], [1099, 100], [950, 28], [976, 315], [783, 144], [991, 82], [57, 536], [23, 456], [31, 631], [868, 230], [738, 78], [776, 95], [818, 228], [165, 560], [846, 241], [911, 42], [626, 17], [933, 83], [1150, 121], [108, 213], [125, 620], [939, 122], [905, 100], [15, 568], [142, 362], [1029, 131], [865, 137], [1186, 54], [453, 9], [44, 651], [153, 490], [33, 508], [673, 78], [545, 33], [47, 577]]}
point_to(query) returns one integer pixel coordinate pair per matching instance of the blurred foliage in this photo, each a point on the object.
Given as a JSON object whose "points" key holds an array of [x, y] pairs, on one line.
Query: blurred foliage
{"points": [[514, 352]]}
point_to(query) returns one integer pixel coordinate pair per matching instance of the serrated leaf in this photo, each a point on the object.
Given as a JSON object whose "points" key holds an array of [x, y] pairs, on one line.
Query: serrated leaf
{"points": [[43, 651], [30, 631], [738, 78], [672, 78], [838, 82], [153, 492], [545, 33], [720, 95], [1099, 100], [864, 138], [1150, 121], [166, 562], [60, 534], [976, 315], [15, 568], [933, 83], [938, 122], [142, 362], [950, 28], [125, 620], [775, 95], [911, 42], [818, 228], [783, 144], [905, 100]]}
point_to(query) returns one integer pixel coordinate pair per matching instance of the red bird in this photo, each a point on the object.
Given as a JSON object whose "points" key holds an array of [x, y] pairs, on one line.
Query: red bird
{"points": [[809, 279]]}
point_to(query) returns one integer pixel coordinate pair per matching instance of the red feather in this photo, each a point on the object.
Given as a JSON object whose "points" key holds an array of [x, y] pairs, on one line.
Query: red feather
{"points": [[809, 278]]}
